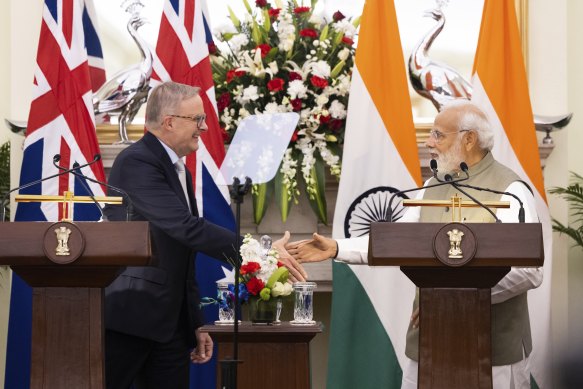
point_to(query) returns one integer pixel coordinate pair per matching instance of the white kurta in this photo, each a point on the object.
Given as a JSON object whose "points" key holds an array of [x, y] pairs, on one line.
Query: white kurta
{"points": [[519, 280]]}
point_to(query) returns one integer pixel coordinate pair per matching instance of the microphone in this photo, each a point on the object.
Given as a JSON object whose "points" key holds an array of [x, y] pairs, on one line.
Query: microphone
{"points": [[96, 158], [56, 159], [448, 179], [124, 194], [521, 216], [433, 166]]}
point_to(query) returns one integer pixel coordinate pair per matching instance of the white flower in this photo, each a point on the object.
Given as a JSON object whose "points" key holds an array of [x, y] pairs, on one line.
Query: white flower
{"points": [[243, 113], [337, 110], [273, 67], [273, 108], [343, 54], [321, 69], [321, 100], [343, 85], [286, 32], [345, 27], [224, 28], [297, 89], [250, 94], [277, 289], [318, 20], [281, 289], [251, 250], [237, 42]]}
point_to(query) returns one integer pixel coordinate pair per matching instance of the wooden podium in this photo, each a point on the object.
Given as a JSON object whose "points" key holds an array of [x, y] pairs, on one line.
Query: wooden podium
{"points": [[273, 356], [68, 265], [454, 274]]}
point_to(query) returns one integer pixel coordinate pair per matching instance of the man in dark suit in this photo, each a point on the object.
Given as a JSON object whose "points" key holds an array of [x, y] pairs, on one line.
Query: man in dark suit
{"points": [[152, 314]]}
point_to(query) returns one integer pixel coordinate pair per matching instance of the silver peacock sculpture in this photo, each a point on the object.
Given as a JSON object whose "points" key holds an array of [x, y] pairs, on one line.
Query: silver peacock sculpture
{"points": [[124, 94], [432, 79], [441, 83]]}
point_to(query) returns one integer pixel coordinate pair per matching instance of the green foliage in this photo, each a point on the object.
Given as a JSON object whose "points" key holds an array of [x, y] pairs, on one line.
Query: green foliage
{"points": [[5, 173], [573, 194]]}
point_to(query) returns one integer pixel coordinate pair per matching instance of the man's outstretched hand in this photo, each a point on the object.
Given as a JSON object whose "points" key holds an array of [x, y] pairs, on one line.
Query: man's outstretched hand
{"points": [[296, 271], [317, 249]]}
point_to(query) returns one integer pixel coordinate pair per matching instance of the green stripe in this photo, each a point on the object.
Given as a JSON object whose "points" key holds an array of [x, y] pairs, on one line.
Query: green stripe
{"points": [[361, 354]]}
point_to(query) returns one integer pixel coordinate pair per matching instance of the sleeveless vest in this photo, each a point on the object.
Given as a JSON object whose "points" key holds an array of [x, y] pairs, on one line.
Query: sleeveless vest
{"points": [[511, 338]]}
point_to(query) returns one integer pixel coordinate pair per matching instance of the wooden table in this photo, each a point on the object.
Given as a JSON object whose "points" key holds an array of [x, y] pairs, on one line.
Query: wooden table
{"points": [[276, 356]]}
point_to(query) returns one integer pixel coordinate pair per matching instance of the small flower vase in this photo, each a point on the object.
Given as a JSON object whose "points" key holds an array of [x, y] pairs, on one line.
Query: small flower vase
{"points": [[265, 312]]}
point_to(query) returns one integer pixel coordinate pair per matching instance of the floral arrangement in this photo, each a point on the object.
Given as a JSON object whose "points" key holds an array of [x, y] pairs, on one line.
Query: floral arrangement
{"points": [[286, 58], [262, 275]]}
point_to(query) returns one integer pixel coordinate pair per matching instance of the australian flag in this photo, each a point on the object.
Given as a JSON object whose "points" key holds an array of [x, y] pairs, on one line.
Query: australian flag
{"points": [[182, 55], [60, 122]]}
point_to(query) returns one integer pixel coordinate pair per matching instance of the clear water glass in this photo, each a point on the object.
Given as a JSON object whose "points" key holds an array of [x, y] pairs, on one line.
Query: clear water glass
{"points": [[226, 301], [304, 303]]}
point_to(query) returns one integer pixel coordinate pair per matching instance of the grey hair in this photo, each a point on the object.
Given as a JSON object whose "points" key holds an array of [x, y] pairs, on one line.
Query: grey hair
{"points": [[473, 118], [164, 99]]}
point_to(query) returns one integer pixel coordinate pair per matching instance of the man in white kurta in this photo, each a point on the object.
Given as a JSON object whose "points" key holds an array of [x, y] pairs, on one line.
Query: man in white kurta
{"points": [[461, 133]]}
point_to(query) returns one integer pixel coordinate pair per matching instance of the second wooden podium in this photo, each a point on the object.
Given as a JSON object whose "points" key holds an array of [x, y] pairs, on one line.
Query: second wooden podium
{"points": [[455, 265]]}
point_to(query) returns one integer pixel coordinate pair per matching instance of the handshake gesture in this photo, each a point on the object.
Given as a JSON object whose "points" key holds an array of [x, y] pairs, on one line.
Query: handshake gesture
{"points": [[293, 254]]}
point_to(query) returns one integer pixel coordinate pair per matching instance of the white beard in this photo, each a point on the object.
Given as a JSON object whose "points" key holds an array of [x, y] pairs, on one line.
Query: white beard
{"points": [[450, 160]]}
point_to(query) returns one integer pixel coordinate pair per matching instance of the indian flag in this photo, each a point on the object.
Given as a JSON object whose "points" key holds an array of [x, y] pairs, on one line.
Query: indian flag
{"points": [[371, 306], [500, 88]]}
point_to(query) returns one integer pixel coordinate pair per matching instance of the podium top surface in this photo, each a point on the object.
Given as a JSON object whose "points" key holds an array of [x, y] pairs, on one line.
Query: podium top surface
{"points": [[105, 244], [496, 244]]}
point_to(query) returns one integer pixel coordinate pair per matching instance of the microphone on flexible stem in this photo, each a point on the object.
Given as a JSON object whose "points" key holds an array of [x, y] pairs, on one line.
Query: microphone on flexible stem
{"points": [[57, 158], [129, 206], [433, 166], [96, 158], [448, 179], [521, 215]]}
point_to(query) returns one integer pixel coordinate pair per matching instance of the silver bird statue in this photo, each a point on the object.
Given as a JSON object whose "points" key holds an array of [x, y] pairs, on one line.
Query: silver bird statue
{"points": [[124, 94], [435, 80]]}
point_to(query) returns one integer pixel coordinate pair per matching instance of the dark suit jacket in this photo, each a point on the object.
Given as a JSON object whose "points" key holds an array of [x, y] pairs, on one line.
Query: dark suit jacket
{"points": [[146, 301]]}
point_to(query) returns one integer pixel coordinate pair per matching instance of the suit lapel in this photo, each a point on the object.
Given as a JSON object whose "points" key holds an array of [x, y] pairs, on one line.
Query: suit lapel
{"points": [[157, 149]]}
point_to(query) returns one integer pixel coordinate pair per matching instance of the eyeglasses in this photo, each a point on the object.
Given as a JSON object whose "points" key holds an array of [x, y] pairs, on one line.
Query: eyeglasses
{"points": [[439, 136], [198, 119]]}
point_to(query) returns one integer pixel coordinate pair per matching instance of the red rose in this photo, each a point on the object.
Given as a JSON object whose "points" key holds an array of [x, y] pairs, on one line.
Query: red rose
{"points": [[250, 268], [301, 10], [264, 47], [234, 73], [254, 286], [294, 76], [296, 104], [338, 16], [261, 3], [294, 136], [347, 40], [273, 12], [319, 82], [309, 32], [336, 124], [212, 48], [324, 119], [275, 85], [223, 101]]}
